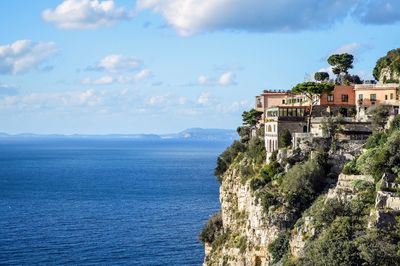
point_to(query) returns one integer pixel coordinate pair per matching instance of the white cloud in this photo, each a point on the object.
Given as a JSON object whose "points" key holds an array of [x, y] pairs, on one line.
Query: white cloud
{"points": [[88, 98], [349, 48], [182, 100], [24, 55], [142, 74], [204, 98], [136, 77], [192, 16], [226, 79], [202, 80], [105, 80], [116, 63], [234, 107], [156, 100], [85, 14]]}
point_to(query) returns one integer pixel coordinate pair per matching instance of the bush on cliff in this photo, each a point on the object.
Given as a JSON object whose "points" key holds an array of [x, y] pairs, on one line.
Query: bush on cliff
{"points": [[375, 140], [379, 116], [227, 158], [267, 174], [384, 158], [302, 183], [350, 168], [212, 229], [256, 150], [279, 246], [334, 246]]}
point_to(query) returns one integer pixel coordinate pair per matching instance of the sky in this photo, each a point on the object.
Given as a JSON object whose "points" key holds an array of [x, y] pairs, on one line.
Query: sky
{"points": [[161, 66]]}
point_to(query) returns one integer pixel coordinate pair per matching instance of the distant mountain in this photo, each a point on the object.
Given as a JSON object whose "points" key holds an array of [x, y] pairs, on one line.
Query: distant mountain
{"points": [[196, 134], [204, 134]]}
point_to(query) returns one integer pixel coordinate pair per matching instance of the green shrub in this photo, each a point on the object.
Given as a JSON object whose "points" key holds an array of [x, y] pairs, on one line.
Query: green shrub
{"points": [[267, 199], [376, 140], [256, 150], [350, 168], [379, 248], [267, 174], [302, 183], [241, 243], [334, 246], [274, 156], [382, 159], [395, 124], [227, 157], [221, 239], [246, 171], [285, 139], [379, 116], [212, 229], [244, 133], [279, 246]]}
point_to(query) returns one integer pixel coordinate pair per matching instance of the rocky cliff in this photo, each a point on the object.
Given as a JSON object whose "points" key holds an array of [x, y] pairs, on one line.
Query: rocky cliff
{"points": [[301, 209]]}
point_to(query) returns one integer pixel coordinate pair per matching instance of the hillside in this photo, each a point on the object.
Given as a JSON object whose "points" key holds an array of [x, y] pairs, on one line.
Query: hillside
{"points": [[330, 203]]}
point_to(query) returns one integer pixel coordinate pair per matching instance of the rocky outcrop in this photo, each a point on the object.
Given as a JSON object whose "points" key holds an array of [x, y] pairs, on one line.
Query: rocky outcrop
{"points": [[244, 220], [387, 204], [299, 237], [346, 186], [249, 229]]}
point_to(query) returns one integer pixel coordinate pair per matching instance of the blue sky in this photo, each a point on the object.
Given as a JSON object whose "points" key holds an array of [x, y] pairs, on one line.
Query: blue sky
{"points": [[160, 66]]}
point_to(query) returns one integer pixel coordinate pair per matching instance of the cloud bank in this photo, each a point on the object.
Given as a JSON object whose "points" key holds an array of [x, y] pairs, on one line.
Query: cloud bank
{"points": [[85, 14], [24, 55], [192, 16]]}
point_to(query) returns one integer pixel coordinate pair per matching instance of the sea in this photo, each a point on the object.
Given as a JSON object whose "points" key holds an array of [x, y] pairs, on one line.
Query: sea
{"points": [[67, 201]]}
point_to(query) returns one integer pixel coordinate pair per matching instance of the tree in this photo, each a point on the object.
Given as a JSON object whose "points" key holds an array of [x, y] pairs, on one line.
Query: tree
{"points": [[341, 63], [353, 79], [313, 91], [251, 117], [379, 116], [321, 76], [285, 139]]}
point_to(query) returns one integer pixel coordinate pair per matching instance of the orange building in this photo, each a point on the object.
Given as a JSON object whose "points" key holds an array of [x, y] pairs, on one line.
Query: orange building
{"points": [[270, 99], [341, 96], [372, 94]]}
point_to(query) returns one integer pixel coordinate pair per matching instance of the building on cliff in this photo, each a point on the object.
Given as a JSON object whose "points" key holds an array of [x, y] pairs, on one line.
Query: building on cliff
{"points": [[286, 111], [368, 95]]}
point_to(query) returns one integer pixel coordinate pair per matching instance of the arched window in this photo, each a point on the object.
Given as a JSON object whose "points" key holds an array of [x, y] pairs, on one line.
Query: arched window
{"points": [[269, 129], [305, 129]]}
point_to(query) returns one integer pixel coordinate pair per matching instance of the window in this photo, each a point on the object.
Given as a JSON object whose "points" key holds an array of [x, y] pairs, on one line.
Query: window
{"points": [[386, 97], [345, 98], [330, 98], [274, 128], [269, 129], [391, 96], [372, 97], [283, 101], [360, 96]]}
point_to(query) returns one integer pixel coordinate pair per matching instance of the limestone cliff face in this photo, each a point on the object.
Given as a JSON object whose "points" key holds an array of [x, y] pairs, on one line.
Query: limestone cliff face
{"points": [[248, 227]]}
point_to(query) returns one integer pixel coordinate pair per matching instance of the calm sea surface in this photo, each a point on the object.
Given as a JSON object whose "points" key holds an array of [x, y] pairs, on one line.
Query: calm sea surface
{"points": [[107, 202]]}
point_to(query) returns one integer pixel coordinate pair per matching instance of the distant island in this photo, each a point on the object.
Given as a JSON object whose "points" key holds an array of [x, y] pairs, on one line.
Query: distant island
{"points": [[194, 134]]}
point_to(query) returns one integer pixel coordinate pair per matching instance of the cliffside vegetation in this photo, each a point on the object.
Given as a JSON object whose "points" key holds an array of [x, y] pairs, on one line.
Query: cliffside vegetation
{"points": [[293, 193], [389, 62]]}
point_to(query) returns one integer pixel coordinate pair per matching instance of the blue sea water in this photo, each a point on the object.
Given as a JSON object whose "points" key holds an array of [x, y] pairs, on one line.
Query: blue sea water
{"points": [[105, 202]]}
